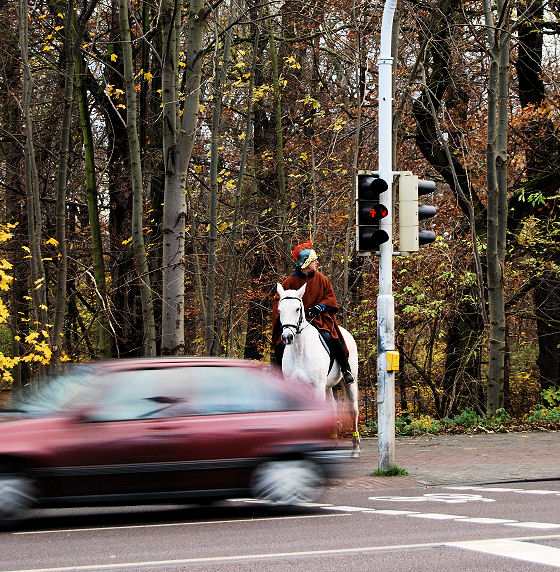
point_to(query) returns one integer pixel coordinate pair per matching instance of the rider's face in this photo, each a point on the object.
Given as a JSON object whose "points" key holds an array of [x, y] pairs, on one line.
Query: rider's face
{"points": [[311, 267]]}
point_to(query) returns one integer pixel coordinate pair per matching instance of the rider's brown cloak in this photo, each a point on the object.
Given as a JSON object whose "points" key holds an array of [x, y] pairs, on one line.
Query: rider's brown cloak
{"points": [[319, 290]]}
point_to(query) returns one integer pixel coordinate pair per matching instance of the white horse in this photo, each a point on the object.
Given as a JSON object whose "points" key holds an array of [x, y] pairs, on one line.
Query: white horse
{"points": [[306, 359]]}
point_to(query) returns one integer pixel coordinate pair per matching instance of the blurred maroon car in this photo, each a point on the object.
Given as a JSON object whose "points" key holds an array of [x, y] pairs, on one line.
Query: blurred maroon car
{"points": [[164, 430]]}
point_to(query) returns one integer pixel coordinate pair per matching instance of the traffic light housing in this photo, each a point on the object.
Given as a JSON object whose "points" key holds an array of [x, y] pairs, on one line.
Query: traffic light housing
{"points": [[369, 213], [411, 236]]}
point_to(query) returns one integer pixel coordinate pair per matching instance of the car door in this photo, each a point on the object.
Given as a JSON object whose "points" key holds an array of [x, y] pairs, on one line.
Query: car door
{"points": [[232, 417], [118, 446]]}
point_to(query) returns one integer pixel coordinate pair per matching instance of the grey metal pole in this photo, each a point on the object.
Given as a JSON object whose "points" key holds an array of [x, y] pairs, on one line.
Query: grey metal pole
{"points": [[385, 300]]}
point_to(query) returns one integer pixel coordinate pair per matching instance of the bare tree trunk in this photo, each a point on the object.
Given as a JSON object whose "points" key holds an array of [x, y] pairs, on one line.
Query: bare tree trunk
{"points": [[497, 201], [62, 253], [214, 323], [16, 213], [177, 146], [103, 331], [137, 186], [37, 285], [221, 61], [280, 171]]}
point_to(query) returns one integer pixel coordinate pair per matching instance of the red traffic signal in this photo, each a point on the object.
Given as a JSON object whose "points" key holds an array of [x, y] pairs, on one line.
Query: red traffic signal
{"points": [[369, 213]]}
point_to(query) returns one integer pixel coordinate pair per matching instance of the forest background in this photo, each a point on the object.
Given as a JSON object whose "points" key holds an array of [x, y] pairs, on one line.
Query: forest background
{"points": [[159, 161]]}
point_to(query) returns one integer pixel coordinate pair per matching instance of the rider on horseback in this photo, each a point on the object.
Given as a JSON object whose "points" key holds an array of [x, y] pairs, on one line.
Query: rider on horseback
{"points": [[320, 306]]}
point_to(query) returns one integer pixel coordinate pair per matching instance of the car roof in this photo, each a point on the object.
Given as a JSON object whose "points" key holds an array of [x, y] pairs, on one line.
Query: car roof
{"points": [[175, 361]]}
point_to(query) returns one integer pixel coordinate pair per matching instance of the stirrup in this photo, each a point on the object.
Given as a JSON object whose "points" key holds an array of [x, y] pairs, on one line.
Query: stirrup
{"points": [[348, 377]]}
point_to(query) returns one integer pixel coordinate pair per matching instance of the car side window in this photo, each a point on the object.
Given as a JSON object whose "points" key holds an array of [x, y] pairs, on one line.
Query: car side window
{"points": [[143, 394], [221, 390]]}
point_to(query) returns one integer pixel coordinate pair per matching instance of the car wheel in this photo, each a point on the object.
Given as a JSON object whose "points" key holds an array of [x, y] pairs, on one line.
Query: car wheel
{"points": [[287, 482], [16, 496]]}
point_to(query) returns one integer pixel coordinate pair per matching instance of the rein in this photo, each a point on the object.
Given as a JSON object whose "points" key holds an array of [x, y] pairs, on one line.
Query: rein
{"points": [[297, 329]]}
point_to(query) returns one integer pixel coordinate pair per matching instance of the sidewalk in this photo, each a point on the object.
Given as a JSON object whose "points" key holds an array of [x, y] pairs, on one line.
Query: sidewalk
{"points": [[461, 459]]}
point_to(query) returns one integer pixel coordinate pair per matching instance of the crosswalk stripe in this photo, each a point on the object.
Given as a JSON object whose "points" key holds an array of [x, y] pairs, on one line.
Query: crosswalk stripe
{"points": [[526, 551], [443, 516], [486, 520], [437, 516], [541, 525]]}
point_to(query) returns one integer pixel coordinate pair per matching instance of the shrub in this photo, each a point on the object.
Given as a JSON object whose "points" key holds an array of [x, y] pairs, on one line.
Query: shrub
{"points": [[543, 414], [467, 418]]}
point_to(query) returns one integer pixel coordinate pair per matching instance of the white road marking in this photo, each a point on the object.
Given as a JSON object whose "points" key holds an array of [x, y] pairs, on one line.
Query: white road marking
{"points": [[529, 552], [505, 490], [344, 508], [174, 524], [437, 516], [541, 525], [486, 489], [443, 516], [486, 520], [508, 548], [438, 497], [391, 511]]}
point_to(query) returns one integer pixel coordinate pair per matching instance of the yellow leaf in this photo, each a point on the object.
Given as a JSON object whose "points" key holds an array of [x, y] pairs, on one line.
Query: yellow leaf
{"points": [[114, 57], [52, 241]]}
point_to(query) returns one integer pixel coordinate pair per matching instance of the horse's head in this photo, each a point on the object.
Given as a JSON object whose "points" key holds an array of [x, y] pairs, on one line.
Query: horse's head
{"points": [[292, 314]]}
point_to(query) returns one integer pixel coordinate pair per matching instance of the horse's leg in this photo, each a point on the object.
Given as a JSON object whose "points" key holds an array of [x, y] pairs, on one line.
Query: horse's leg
{"points": [[352, 397], [329, 396]]}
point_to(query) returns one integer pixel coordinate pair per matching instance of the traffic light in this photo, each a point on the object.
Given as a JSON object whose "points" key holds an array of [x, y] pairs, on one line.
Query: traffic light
{"points": [[369, 213], [411, 237]]}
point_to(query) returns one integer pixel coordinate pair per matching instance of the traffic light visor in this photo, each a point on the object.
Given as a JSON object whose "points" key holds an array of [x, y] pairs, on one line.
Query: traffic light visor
{"points": [[370, 187]]}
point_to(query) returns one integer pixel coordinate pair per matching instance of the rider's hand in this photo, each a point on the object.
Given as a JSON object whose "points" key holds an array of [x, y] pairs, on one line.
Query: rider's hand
{"points": [[314, 311]]}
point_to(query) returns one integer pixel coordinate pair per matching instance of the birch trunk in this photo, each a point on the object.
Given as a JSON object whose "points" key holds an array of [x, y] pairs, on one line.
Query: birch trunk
{"points": [[177, 146]]}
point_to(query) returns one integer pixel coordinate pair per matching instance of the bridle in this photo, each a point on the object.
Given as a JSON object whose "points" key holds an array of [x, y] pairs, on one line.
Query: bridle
{"points": [[296, 328]]}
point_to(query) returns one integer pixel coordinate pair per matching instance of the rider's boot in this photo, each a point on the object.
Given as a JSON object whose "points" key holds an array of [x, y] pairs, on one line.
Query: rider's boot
{"points": [[339, 352]]}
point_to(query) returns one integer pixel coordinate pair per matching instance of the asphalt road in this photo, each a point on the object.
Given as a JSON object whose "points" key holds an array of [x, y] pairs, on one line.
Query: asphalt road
{"points": [[505, 526]]}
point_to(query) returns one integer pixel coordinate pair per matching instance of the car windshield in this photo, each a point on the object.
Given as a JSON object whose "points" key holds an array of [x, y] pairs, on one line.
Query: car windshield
{"points": [[69, 390]]}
